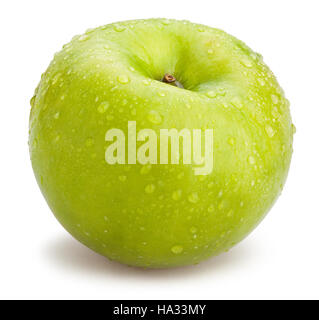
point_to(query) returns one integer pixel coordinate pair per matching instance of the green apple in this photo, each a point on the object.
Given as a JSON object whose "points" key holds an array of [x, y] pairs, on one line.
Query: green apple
{"points": [[159, 74]]}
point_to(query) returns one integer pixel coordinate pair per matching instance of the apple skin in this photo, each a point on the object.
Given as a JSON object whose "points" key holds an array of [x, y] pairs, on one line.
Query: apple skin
{"points": [[109, 76]]}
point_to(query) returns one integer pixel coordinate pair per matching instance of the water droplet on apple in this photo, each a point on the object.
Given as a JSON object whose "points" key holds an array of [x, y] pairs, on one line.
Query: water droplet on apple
{"points": [[211, 208], [161, 94], [193, 197], [166, 22], [119, 28], [90, 30], [231, 141], [32, 101], [193, 230], [236, 102], [57, 115], [177, 195], [225, 105], [230, 213], [274, 99], [261, 81], [252, 183], [122, 178], [294, 130], [34, 143], [221, 205], [270, 131], [275, 112], [154, 117], [177, 249], [150, 188], [103, 107], [241, 203], [211, 94], [145, 169], [146, 82], [123, 79], [246, 62], [251, 160], [83, 37], [210, 51], [254, 56]]}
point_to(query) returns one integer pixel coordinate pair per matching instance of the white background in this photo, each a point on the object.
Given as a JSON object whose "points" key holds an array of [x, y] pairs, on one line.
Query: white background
{"points": [[38, 259]]}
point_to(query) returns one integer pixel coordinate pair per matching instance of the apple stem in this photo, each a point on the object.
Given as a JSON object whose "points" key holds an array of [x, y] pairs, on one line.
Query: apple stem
{"points": [[168, 78]]}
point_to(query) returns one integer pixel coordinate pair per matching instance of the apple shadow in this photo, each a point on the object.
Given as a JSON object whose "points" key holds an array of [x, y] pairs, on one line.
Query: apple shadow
{"points": [[68, 254]]}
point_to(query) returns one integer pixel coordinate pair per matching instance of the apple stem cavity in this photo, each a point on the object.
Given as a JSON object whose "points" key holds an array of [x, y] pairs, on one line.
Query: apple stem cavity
{"points": [[170, 79]]}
